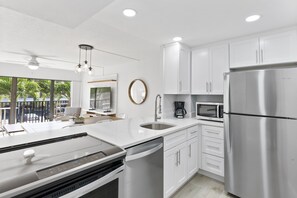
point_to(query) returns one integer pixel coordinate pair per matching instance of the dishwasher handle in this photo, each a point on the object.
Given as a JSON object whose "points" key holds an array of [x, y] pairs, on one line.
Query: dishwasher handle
{"points": [[144, 153]]}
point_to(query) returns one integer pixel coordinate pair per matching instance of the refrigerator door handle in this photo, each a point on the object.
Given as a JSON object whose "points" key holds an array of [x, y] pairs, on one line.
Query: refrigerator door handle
{"points": [[226, 92], [227, 133]]}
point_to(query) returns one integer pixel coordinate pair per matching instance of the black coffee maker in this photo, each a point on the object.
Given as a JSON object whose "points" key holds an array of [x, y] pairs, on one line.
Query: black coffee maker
{"points": [[180, 110]]}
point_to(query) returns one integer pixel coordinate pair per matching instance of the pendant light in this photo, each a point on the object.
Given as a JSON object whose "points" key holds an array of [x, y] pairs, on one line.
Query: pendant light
{"points": [[87, 64]]}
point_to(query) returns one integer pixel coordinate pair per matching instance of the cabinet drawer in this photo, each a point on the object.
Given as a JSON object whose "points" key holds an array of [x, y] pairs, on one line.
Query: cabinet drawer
{"points": [[212, 131], [175, 139], [213, 146], [213, 164], [192, 132]]}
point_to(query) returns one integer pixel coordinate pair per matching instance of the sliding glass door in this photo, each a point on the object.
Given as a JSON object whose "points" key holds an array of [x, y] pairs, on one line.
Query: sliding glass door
{"points": [[32, 100]]}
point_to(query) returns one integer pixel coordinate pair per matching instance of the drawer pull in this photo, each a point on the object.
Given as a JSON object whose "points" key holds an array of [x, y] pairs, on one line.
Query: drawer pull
{"points": [[213, 165], [213, 147], [193, 132], [214, 132]]}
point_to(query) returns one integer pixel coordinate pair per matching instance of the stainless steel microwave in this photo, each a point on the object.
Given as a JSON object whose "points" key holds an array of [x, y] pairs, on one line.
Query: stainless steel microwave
{"points": [[209, 111]]}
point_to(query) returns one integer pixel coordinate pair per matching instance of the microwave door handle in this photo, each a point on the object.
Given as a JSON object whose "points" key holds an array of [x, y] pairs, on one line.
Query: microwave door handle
{"points": [[218, 111]]}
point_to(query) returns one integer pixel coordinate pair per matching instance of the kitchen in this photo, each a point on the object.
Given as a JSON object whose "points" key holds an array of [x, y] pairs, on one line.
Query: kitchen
{"points": [[191, 102]]}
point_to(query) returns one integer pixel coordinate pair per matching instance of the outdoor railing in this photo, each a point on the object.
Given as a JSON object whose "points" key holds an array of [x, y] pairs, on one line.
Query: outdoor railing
{"points": [[31, 111]]}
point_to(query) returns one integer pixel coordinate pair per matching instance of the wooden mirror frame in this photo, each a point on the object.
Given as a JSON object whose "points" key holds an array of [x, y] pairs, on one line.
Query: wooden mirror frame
{"points": [[129, 91]]}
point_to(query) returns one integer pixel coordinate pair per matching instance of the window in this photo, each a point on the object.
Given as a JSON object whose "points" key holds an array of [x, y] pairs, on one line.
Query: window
{"points": [[34, 100]]}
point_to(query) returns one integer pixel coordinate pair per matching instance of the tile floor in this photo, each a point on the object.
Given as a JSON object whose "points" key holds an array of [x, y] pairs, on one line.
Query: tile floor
{"points": [[202, 187]]}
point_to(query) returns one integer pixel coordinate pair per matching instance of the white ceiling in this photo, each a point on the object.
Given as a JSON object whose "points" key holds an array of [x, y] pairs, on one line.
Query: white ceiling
{"points": [[55, 27], [198, 21], [63, 12]]}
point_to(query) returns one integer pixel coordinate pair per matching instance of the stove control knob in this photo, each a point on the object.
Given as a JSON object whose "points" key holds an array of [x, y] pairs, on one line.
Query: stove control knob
{"points": [[28, 155]]}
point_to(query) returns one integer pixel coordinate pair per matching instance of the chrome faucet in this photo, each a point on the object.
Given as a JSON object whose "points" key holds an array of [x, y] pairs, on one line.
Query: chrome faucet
{"points": [[160, 110]]}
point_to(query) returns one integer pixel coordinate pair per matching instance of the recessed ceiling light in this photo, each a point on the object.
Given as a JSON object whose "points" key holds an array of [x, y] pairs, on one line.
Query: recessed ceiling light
{"points": [[177, 39], [252, 18], [129, 12]]}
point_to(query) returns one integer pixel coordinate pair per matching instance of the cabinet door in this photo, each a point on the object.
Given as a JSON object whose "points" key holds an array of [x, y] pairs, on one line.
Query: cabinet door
{"points": [[219, 61], [213, 146], [244, 53], [213, 164], [184, 71], [171, 68], [279, 48], [192, 157], [170, 167], [200, 71], [181, 170]]}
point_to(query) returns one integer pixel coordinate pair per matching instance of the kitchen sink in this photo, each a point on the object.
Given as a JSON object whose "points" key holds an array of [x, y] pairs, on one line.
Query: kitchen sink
{"points": [[157, 126]]}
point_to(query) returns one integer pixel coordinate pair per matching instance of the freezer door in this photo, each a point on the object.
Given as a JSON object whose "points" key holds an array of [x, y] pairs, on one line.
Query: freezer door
{"points": [[260, 157], [270, 92]]}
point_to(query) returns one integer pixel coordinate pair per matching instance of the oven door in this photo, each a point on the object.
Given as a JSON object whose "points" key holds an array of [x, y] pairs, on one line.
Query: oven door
{"points": [[109, 186]]}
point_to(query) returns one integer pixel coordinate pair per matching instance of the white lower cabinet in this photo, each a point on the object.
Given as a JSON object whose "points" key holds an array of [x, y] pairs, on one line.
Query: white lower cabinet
{"points": [[213, 164], [192, 156], [175, 168], [213, 146], [180, 159], [212, 149]]}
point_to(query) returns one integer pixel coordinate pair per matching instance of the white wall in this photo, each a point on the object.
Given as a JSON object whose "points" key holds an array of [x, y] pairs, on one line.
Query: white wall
{"points": [[149, 69]]}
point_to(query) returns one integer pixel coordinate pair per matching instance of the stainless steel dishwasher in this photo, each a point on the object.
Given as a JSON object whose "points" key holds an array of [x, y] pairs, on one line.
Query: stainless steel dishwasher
{"points": [[143, 175]]}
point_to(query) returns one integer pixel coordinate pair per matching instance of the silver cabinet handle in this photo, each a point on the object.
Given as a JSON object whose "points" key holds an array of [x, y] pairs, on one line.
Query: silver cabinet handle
{"points": [[180, 86], [179, 157], [257, 58], [176, 158], [262, 58], [210, 86], [190, 150], [207, 87]]}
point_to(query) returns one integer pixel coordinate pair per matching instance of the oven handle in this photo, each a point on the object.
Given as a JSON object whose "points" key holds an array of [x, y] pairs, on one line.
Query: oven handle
{"points": [[95, 184], [143, 154]]}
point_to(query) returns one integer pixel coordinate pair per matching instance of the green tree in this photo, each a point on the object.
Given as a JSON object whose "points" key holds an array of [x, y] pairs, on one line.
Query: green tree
{"points": [[27, 88], [45, 88], [5, 87], [63, 90]]}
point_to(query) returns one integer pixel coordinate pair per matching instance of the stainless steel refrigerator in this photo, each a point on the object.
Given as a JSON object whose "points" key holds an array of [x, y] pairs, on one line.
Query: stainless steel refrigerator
{"points": [[260, 117]]}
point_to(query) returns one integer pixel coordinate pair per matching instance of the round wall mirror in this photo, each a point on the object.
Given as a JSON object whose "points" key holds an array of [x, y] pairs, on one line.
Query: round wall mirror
{"points": [[137, 91]]}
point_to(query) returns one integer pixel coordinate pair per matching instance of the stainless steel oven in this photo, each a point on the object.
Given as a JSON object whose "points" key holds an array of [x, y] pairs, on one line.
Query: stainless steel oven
{"points": [[69, 166], [209, 111]]}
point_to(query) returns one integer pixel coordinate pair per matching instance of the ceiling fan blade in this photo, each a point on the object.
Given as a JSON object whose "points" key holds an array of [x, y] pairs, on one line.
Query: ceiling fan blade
{"points": [[58, 60], [14, 61], [18, 53]]}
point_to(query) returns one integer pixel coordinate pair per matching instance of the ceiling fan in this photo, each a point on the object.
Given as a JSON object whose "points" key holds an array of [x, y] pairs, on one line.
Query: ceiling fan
{"points": [[33, 64], [32, 61]]}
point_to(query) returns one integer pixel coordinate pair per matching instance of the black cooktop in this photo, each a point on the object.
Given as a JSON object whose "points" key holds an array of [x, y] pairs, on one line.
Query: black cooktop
{"points": [[51, 156]]}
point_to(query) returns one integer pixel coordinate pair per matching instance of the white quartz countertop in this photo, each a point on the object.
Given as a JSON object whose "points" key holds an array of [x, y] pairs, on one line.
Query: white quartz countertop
{"points": [[123, 133]]}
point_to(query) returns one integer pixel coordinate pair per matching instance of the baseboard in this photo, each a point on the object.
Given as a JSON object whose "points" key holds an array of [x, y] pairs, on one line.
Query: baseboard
{"points": [[211, 175]]}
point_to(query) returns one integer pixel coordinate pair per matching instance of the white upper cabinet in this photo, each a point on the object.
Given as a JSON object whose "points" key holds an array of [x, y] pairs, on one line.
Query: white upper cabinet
{"points": [[200, 71], [266, 49], [279, 48], [208, 67], [176, 69], [219, 60], [244, 53]]}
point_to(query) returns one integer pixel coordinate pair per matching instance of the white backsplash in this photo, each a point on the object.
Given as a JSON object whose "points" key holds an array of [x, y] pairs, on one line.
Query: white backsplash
{"points": [[190, 103], [168, 105]]}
